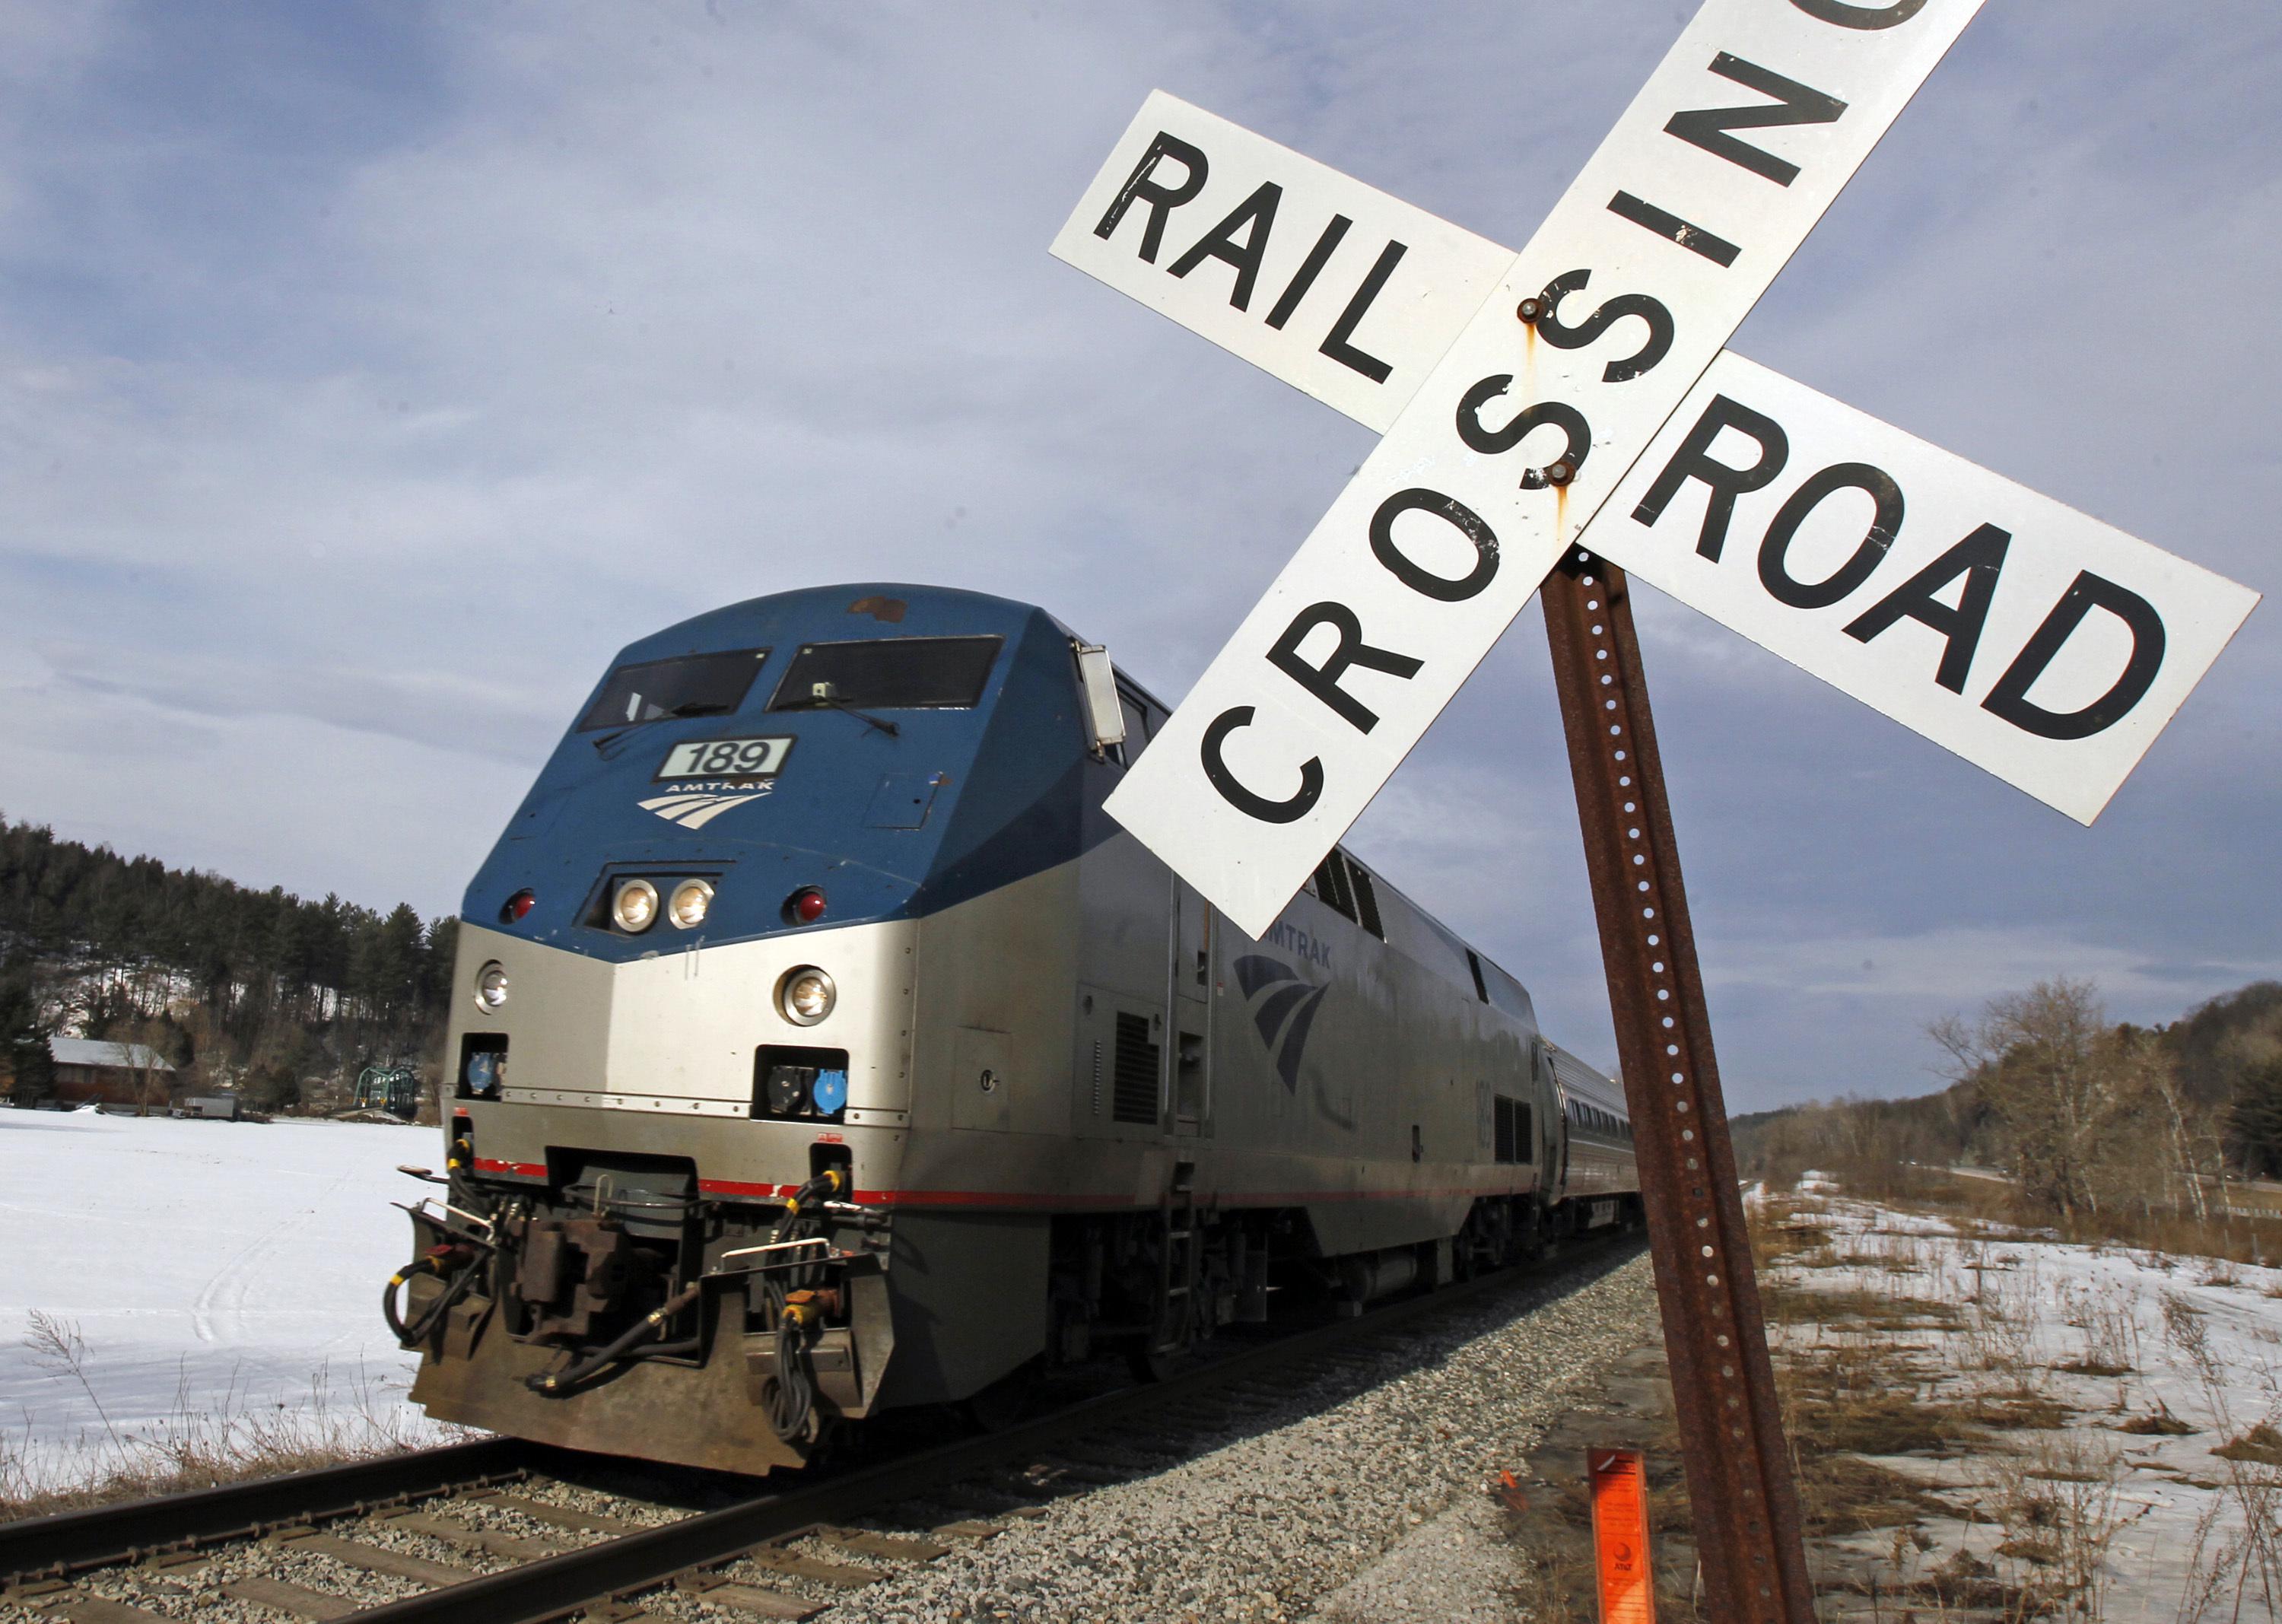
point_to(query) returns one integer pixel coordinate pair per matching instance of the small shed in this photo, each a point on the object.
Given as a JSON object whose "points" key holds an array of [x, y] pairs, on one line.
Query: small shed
{"points": [[91, 1070]]}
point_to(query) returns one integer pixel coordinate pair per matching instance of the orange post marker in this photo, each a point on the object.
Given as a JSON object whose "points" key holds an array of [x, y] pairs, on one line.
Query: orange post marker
{"points": [[1627, 1580]]}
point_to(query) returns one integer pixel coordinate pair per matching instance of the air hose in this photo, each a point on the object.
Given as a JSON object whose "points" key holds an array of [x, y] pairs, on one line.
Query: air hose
{"points": [[791, 1309], [792, 1396], [431, 1261], [558, 1384]]}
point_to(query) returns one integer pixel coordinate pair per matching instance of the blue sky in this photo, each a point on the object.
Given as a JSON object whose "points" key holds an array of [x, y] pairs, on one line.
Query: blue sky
{"points": [[369, 373]]}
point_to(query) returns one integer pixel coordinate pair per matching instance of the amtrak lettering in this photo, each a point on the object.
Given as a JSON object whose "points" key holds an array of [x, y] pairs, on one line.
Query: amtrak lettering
{"points": [[695, 805], [1733, 451], [1298, 943]]}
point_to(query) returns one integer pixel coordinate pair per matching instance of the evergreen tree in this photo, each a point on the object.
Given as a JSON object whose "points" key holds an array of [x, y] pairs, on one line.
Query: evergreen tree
{"points": [[24, 1037], [2255, 1119], [397, 962], [118, 936]]}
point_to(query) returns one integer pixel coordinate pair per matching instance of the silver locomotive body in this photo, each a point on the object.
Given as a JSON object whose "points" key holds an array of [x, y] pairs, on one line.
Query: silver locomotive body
{"points": [[1010, 1094]]}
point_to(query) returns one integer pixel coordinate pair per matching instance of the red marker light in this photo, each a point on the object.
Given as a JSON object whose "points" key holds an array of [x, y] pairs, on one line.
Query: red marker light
{"points": [[518, 904], [805, 906]]}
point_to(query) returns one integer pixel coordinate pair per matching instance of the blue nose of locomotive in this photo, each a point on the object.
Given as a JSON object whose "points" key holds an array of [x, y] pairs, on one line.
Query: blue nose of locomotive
{"points": [[816, 757]]}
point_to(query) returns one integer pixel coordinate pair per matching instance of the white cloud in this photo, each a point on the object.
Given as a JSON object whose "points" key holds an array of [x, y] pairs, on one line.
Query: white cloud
{"points": [[1964, 967]]}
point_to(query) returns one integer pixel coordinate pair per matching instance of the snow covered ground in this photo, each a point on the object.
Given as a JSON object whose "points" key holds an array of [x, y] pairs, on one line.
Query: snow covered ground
{"points": [[210, 1271], [2133, 1344]]}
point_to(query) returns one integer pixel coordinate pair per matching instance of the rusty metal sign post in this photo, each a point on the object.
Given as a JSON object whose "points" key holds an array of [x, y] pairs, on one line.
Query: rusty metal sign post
{"points": [[1739, 1484]]}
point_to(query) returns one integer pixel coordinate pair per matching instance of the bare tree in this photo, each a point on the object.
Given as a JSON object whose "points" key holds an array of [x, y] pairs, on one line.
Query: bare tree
{"points": [[146, 1065], [2077, 1100], [2193, 1137]]}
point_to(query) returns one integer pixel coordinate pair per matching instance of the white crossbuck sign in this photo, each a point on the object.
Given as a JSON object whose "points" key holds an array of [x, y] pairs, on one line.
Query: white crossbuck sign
{"points": [[1577, 393]]}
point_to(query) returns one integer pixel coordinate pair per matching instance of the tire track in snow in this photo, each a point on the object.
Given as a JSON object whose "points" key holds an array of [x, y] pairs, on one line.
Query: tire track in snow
{"points": [[231, 1287]]}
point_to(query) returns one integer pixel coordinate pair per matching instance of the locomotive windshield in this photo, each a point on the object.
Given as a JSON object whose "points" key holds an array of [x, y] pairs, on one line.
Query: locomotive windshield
{"points": [[695, 685], [889, 673]]}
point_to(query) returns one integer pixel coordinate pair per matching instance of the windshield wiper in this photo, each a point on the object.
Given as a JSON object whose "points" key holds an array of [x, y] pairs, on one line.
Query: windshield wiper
{"points": [[881, 723], [827, 694]]}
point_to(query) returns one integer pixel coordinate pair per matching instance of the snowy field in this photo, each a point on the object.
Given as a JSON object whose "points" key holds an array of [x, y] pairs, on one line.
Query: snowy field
{"points": [[2156, 1470], [167, 1279]]}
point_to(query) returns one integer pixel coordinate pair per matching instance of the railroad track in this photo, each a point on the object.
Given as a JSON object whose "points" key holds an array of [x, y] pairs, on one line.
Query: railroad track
{"points": [[566, 1561]]}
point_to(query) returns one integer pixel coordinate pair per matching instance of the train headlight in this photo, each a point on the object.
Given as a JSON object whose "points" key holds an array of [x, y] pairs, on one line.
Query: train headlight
{"points": [[692, 898], [491, 988], [636, 905], [805, 995]]}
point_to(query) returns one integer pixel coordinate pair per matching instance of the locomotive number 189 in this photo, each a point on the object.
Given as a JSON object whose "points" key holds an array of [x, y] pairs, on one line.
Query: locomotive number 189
{"points": [[725, 757]]}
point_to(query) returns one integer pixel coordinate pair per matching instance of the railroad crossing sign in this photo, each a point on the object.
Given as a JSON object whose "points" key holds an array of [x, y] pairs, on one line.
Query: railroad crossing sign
{"points": [[1522, 396], [1551, 419]]}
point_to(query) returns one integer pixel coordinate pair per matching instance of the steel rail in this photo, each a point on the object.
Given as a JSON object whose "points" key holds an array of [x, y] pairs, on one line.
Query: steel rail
{"points": [[1738, 1481], [65, 1542], [554, 1586]]}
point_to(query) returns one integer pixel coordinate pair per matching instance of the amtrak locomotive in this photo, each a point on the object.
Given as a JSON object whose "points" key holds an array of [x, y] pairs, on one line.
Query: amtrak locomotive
{"points": [[819, 1047]]}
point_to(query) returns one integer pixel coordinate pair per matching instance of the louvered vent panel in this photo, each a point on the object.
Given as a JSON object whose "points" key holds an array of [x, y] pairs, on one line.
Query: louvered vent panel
{"points": [[1134, 1097]]}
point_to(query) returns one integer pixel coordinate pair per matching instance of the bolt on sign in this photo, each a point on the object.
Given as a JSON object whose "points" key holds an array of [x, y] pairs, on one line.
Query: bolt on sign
{"points": [[1624, 1574], [1577, 393]]}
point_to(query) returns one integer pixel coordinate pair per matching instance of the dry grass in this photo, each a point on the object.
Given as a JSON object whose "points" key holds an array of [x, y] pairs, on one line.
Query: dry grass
{"points": [[1970, 1380], [1855, 1399], [1871, 1311], [2059, 1510], [2019, 1412], [1943, 1349], [190, 1448], [2163, 1424], [2224, 1239], [1961, 1586], [2092, 1365], [1842, 1493], [2262, 1445], [2238, 1541]]}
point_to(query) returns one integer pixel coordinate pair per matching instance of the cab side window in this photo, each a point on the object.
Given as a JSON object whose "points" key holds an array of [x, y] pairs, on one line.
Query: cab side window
{"points": [[1142, 721]]}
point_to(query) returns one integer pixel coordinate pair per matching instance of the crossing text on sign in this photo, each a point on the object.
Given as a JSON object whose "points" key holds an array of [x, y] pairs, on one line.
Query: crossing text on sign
{"points": [[1516, 435]]}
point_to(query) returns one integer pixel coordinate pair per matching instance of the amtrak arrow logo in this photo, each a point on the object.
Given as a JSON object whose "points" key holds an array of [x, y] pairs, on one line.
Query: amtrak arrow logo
{"points": [[693, 810], [1289, 1009]]}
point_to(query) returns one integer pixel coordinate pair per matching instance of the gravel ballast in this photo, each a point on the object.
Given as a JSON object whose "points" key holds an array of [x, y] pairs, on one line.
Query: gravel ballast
{"points": [[1362, 1496]]}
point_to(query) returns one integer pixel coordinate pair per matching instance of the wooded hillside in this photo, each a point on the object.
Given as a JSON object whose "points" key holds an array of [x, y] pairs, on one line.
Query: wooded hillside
{"points": [[2079, 1110], [257, 989]]}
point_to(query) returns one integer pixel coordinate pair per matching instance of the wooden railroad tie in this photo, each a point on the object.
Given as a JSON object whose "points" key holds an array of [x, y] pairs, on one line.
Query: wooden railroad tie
{"points": [[101, 1610], [299, 1600], [762, 1603], [560, 1516], [372, 1559], [515, 1547]]}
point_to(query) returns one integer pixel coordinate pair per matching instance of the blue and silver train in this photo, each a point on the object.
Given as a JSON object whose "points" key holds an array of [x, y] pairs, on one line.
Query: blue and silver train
{"points": [[820, 1047]]}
